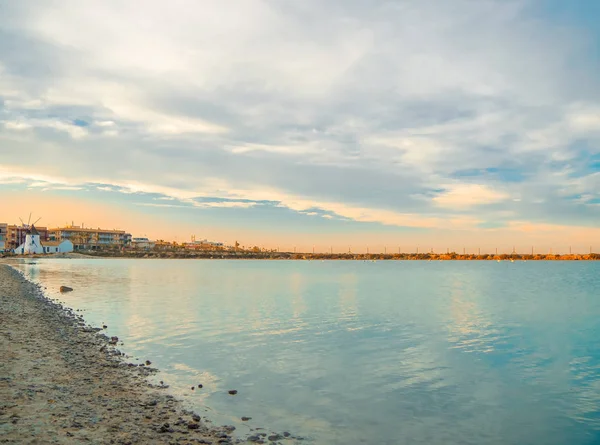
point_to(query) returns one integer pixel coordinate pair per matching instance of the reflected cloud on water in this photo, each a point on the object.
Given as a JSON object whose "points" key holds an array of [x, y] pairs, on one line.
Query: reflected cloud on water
{"points": [[348, 352]]}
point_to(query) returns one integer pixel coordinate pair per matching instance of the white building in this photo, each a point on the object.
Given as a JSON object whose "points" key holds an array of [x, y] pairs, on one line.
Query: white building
{"points": [[65, 246], [142, 243], [33, 245]]}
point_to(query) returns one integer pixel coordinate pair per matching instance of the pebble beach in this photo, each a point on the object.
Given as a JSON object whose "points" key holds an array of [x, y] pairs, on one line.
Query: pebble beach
{"points": [[64, 382]]}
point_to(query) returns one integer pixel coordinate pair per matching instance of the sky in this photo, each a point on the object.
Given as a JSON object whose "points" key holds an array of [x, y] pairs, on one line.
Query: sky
{"points": [[339, 124]]}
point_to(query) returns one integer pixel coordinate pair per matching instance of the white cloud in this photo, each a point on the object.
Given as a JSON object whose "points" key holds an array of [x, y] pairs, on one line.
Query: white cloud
{"points": [[74, 131], [345, 107], [585, 118], [16, 125], [166, 206], [225, 204], [202, 205], [468, 195], [279, 149], [105, 123]]}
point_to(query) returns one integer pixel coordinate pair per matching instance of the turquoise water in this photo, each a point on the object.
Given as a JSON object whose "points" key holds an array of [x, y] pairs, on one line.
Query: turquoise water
{"points": [[345, 352]]}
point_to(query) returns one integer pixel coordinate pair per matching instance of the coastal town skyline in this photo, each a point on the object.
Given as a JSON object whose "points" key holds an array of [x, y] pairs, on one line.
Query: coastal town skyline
{"points": [[87, 237], [335, 124]]}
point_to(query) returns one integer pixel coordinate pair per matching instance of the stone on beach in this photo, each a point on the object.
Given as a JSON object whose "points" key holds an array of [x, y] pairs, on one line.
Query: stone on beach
{"points": [[232, 392], [80, 384], [64, 289]]}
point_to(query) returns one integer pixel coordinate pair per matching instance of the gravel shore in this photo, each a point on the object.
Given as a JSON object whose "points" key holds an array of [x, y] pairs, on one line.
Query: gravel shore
{"points": [[62, 382]]}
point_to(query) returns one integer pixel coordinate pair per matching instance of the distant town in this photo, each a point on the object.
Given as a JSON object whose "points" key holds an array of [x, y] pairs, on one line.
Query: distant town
{"points": [[13, 239], [30, 239]]}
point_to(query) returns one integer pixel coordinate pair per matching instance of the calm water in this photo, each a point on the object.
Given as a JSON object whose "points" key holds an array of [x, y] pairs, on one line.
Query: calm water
{"points": [[354, 352]]}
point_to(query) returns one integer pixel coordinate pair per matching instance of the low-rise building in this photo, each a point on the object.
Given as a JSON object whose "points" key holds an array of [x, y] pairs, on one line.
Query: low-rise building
{"points": [[65, 246], [90, 239], [165, 245], [3, 230], [142, 243], [204, 245]]}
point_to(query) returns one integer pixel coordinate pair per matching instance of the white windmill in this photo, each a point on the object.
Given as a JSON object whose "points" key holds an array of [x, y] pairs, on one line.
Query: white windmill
{"points": [[32, 243]]}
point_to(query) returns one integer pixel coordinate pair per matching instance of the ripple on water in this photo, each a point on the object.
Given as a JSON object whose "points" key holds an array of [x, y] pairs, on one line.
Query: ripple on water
{"points": [[351, 352]]}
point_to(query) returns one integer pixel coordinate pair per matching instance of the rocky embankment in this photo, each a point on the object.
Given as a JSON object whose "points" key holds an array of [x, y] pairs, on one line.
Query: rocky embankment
{"points": [[63, 382]]}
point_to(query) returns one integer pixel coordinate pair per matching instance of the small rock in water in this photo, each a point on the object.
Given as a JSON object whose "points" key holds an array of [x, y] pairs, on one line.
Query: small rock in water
{"points": [[200, 386], [148, 362], [104, 326], [286, 434], [245, 419], [113, 340], [275, 437], [193, 388], [66, 289], [232, 392], [196, 417]]}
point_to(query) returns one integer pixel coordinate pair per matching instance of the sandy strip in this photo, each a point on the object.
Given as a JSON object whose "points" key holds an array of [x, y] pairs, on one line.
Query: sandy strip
{"points": [[62, 383]]}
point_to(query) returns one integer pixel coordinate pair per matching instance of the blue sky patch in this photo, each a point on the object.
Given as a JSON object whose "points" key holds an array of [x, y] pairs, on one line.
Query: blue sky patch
{"points": [[80, 123]]}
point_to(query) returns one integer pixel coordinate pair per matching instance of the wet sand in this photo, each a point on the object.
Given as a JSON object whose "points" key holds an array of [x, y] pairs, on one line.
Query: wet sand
{"points": [[62, 382]]}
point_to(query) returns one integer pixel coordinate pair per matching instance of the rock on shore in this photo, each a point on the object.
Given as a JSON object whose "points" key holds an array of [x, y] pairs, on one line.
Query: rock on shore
{"points": [[61, 382]]}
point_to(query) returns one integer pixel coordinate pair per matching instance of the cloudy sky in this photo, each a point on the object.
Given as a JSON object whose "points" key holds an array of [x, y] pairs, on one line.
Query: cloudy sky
{"points": [[432, 123]]}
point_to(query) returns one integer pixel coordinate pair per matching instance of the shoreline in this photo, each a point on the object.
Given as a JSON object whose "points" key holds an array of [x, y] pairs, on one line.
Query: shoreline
{"points": [[65, 382], [281, 256]]}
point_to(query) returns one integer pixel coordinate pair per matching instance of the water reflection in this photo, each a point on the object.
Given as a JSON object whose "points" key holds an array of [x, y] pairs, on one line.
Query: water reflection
{"points": [[348, 302], [470, 329], [352, 352]]}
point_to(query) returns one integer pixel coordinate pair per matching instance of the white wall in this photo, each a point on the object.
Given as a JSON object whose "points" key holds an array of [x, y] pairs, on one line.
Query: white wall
{"points": [[32, 244], [64, 247]]}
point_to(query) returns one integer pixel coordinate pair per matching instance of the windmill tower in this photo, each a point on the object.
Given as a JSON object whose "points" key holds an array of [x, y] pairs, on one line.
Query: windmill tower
{"points": [[32, 244]]}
